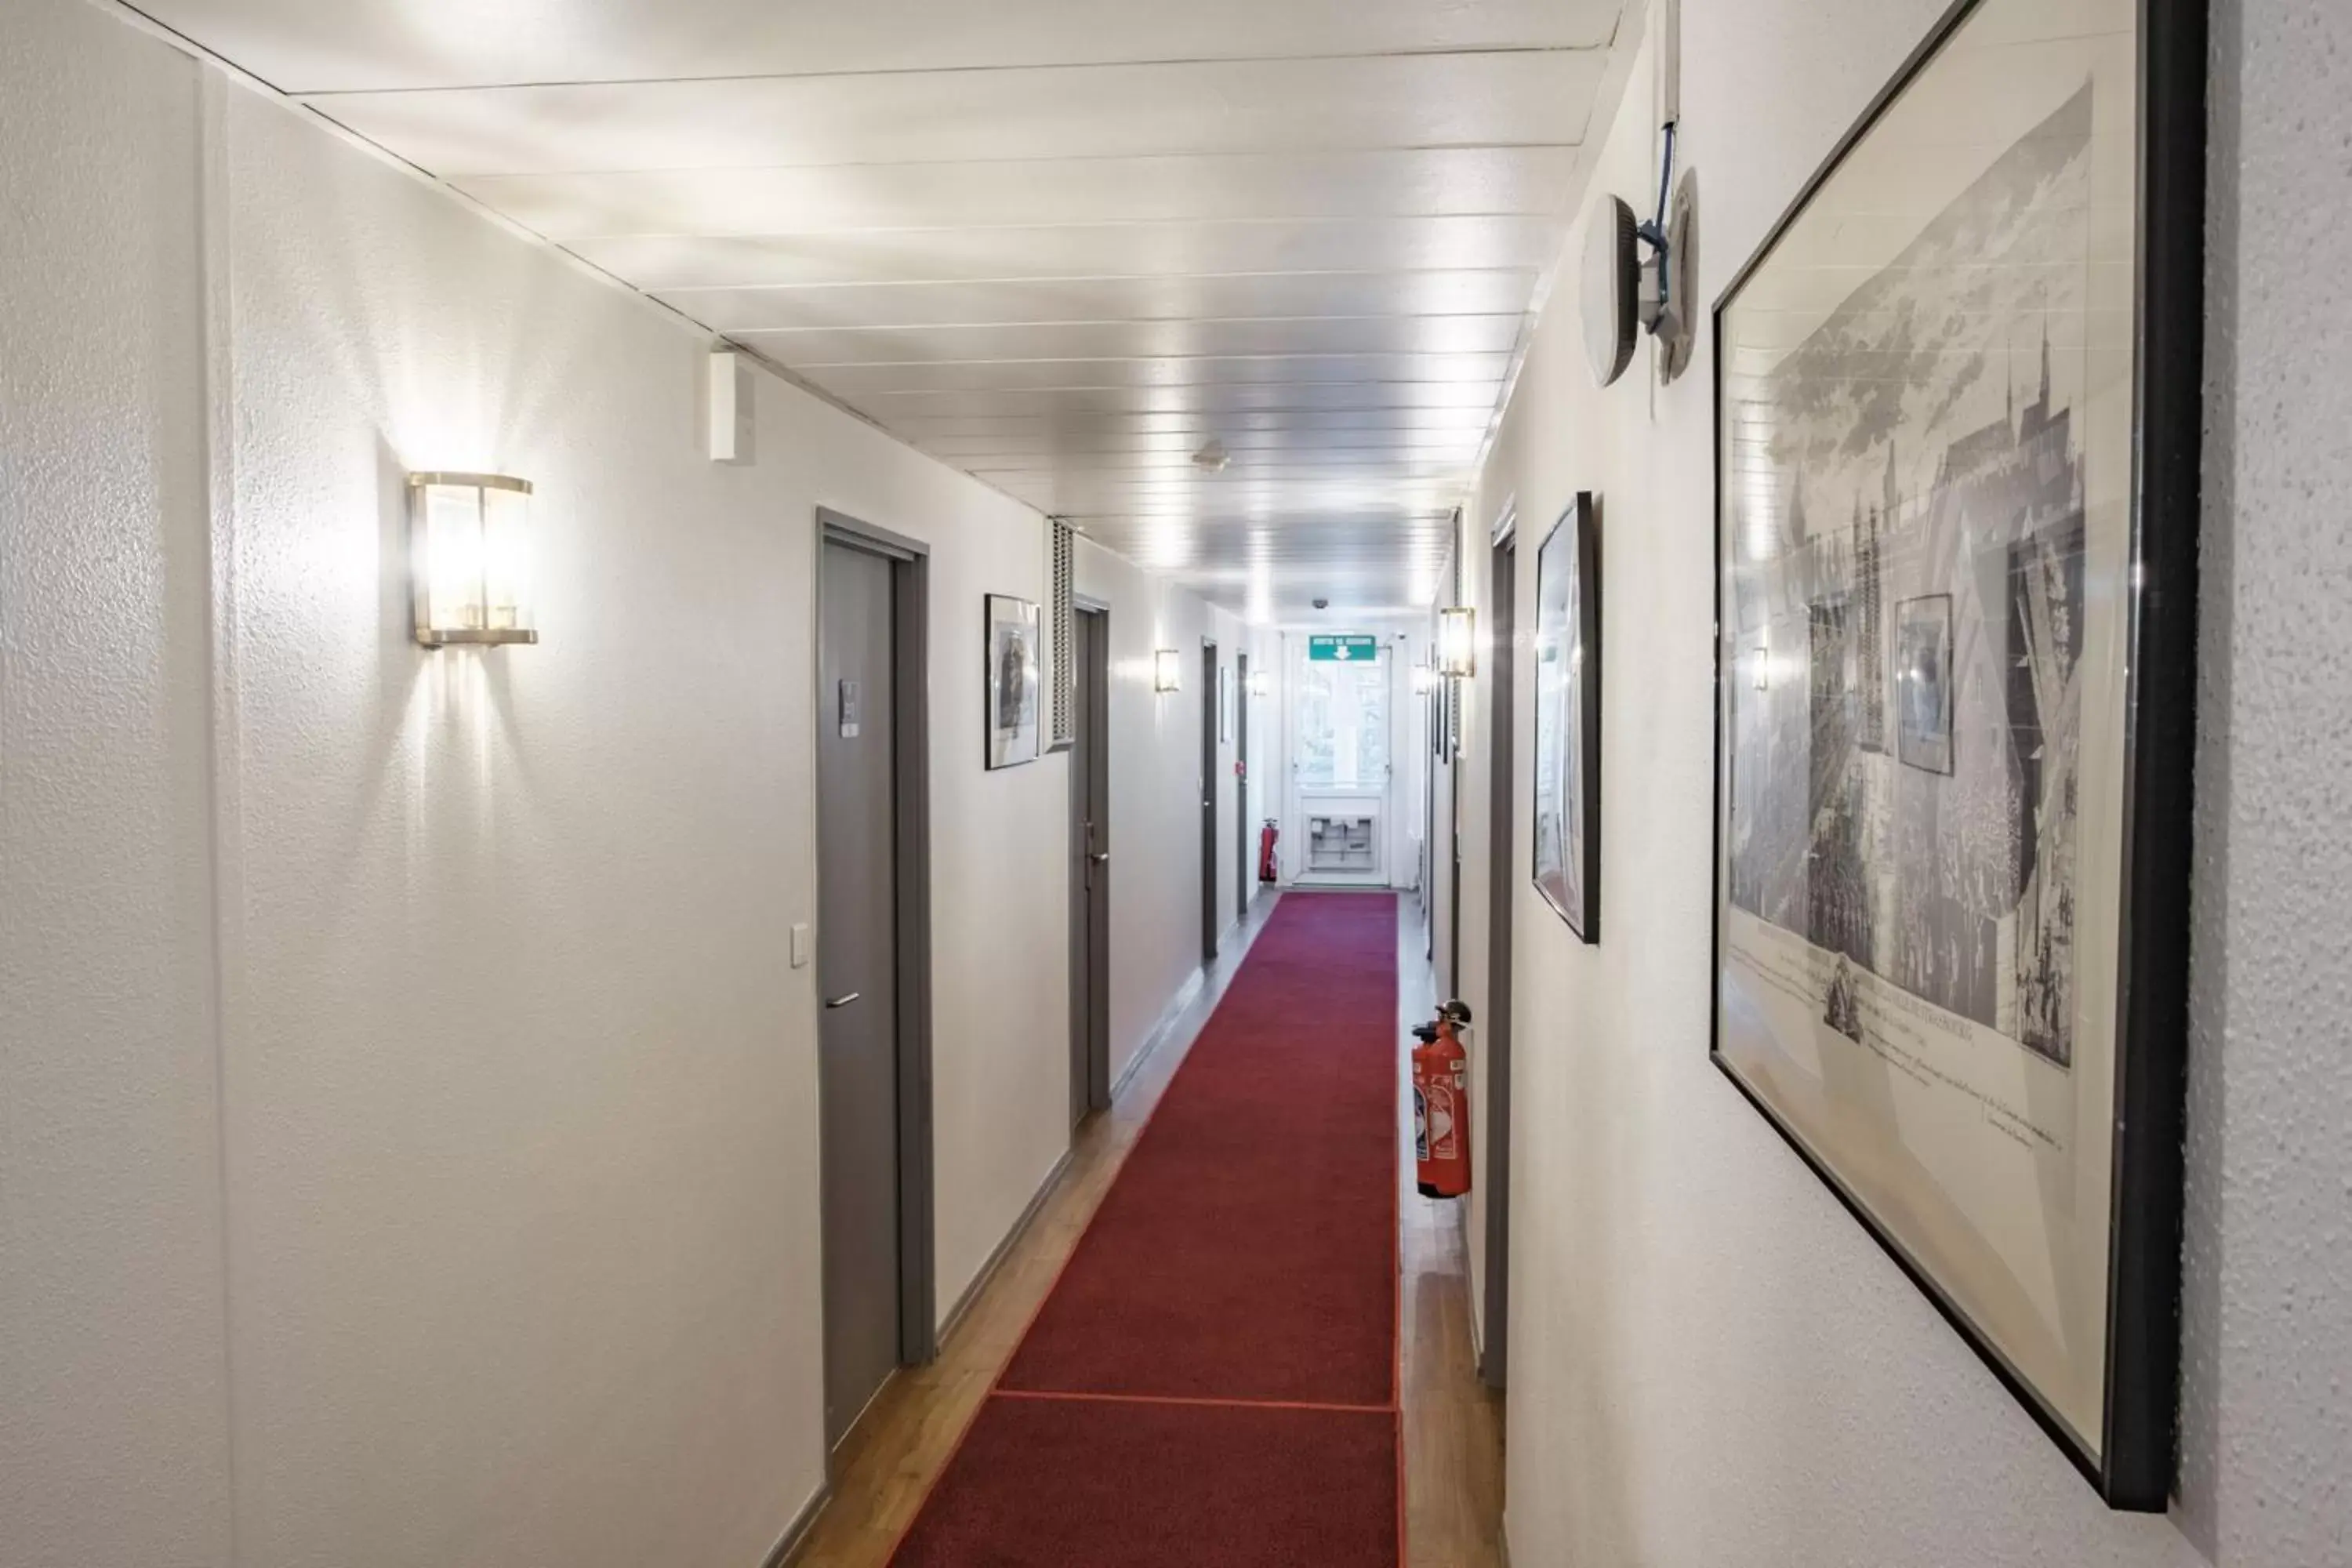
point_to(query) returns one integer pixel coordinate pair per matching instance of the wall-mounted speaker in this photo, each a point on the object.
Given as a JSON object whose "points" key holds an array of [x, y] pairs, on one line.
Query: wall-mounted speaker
{"points": [[1611, 285]]}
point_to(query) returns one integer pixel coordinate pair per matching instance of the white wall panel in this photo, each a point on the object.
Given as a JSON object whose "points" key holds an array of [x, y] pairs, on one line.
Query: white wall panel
{"points": [[491, 1170], [113, 1430], [1711, 1362]]}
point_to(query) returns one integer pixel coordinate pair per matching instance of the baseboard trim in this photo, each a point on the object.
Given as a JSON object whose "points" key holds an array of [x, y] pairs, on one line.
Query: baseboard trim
{"points": [[980, 1281], [1170, 1016], [798, 1530]]}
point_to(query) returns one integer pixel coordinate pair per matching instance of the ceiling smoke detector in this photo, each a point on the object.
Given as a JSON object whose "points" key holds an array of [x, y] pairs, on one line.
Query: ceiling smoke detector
{"points": [[1213, 457]]}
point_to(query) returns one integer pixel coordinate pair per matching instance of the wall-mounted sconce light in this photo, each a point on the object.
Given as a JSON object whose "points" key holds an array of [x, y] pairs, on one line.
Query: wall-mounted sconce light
{"points": [[469, 552], [1261, 684], [1424, 678], [1166, 670], [1457, 643]]}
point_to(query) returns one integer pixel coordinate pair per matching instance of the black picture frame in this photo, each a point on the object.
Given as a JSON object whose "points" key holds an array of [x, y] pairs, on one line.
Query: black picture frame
{"points": [[1577, 530], [2134, 1467], [1011, 681]]}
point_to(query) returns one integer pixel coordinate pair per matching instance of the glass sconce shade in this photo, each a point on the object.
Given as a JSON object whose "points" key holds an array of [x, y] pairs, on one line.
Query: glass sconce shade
{"points": [[1167, 670], [1457, 643], [469, 541]]}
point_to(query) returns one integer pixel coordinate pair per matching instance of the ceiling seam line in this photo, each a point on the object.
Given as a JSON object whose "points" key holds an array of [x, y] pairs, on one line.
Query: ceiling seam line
{"points": [[1169, 62]]}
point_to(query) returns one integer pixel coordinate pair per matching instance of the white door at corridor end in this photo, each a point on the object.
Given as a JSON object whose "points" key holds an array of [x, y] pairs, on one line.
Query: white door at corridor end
{"points": [[1341, 772]]}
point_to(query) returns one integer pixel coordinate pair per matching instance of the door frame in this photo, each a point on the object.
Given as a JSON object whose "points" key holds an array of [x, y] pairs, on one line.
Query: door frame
{"points": [[1502, 895], [1245, 878], [1210, 926], [1091, 1033], [910, 593]]}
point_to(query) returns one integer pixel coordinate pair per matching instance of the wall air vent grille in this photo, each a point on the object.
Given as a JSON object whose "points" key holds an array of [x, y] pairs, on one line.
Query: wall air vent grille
{"points": [[1453, 689], [1061, 545]]}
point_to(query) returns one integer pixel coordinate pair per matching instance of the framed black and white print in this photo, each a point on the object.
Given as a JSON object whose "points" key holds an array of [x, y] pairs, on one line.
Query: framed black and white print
{"points": [[1956, 418], [1567, 837], [1015, 684]]}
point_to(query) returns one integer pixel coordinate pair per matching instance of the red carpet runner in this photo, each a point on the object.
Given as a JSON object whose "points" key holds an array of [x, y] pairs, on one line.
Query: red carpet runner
{"points": [[1213, 1381]]}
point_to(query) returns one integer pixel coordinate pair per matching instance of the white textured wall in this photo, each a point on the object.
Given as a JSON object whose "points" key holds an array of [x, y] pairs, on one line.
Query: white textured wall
{"points": [[1155, 802], [2266, 1426], [1711, 1364], [491, 1171], [113, 1435]]}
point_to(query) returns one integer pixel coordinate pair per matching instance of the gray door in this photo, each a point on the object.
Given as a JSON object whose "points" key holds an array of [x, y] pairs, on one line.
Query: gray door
{"points": [[1494, 1028], [1209, 922], [1245, 878], [1089, 869], [857, 975]]}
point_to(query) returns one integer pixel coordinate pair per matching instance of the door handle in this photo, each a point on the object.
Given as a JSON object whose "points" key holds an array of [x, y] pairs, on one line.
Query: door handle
{"points": [[843, 1001], [1100, 857]]}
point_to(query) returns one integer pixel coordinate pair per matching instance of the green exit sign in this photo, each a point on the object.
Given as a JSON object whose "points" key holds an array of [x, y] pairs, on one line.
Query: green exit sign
{"points": [[1343, 649]]}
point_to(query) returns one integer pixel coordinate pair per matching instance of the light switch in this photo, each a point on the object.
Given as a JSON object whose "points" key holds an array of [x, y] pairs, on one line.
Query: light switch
{"points": [[801, 946]]}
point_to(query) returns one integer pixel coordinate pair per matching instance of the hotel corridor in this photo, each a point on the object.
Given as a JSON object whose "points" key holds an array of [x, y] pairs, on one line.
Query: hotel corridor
{"points": [[1223, 1352], [737, 740]]}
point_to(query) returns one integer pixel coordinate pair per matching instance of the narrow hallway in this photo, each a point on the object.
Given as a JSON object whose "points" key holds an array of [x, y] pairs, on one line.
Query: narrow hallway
{"points": [[1218, 1371], [739, 741]]}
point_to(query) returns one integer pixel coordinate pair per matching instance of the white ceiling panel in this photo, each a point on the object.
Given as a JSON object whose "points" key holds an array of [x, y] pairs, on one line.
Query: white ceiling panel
{"points": [[1081, 450], [1261, 296], [1393, 183], [1229, 398], [921, 426], [1250, 467], [1350, 489], [1336, 104], [1059, 243], [318, 45], [1142, 339], [663, 263], [856, 382]]}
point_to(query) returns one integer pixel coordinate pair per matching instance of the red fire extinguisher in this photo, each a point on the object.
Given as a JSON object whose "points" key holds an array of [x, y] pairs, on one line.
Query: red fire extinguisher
{"points": [[1267, 838], [1441, 1105]]}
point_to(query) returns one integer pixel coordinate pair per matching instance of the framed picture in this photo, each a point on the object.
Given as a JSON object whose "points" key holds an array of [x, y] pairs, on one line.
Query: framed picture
{"points": [[1015, 686], [1567, 835], [1956, 418]]}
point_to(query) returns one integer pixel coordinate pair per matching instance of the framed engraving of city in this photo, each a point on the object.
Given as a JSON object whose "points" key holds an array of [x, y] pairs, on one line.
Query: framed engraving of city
{"points": [[1567, 835], [1957, 423]]}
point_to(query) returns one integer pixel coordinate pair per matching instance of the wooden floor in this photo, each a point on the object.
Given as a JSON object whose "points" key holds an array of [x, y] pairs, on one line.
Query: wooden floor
{"points": [[1454, 1428]]}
